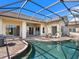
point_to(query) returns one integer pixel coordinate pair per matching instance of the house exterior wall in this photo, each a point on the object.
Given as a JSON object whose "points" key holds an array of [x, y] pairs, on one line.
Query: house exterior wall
{"points": [[13, 21], [77, 30], [76, 33], [76, 27], [63, 29], [1, 25], [41, 29], [60, 26], [49, 26], [8, 21], [23, 30], [4, 21], [35, 28]]}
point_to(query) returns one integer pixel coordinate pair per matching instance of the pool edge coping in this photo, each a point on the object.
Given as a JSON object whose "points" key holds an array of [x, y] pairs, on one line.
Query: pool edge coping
{"points": [[20, 51]]}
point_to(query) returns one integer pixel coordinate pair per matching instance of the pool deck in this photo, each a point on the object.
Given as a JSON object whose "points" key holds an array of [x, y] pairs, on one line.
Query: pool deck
{"points": [[14, 46], [40, 38]]}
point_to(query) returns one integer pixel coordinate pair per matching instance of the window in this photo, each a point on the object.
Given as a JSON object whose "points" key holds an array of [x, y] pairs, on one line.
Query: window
{"points": [[10, 29], [72, 29], [54, 30], [37, 28], [43, 30]]}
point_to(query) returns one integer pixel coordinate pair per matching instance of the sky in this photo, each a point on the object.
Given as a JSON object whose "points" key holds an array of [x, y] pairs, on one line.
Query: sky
{"points": [[30, 6]]}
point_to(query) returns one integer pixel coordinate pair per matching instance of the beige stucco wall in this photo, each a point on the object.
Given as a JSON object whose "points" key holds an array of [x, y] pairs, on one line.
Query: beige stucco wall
{"points": [[23, 25], [65, 28], [74, 26], [11, 21], [55, 23], [7, 21], [60, 25], [49, 26], [1, 25], [41, 29], [77, 30]]}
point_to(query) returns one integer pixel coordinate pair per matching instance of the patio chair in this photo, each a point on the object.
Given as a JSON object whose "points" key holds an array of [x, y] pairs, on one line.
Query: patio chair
{"points": [[2, 38], [56, 36]]}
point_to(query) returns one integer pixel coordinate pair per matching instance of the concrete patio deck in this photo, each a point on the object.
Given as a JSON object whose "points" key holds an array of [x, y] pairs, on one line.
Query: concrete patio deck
{"points": [[40, 38], [14, 47]]}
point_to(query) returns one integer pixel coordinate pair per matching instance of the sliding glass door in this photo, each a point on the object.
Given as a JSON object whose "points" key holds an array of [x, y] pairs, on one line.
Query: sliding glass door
{"points": [[54, 30], [13, 30]]}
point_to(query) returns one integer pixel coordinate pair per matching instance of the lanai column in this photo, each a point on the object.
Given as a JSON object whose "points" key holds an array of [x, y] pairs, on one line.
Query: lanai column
{"points": [[34, 31], [24, 31], [41, 30], [1, 28]]}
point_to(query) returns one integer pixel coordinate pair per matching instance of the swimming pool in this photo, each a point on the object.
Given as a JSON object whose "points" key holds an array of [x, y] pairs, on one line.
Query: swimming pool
{"points": [[54, 50]]}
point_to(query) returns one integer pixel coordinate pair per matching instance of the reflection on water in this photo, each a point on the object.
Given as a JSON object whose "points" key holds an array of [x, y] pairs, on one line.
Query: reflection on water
{"points": [[58, 47], [77, 43], [55, 50]]}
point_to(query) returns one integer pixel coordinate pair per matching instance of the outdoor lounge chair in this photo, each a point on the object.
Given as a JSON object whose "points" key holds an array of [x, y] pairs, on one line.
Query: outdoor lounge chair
{"points": [[56, 36]]}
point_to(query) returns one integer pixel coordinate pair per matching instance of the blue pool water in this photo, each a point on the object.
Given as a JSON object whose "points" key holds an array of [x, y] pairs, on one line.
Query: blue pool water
{"points": [[54, 50]]}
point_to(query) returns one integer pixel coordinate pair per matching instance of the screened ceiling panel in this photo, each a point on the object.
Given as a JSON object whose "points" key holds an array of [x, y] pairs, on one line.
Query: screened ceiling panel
{"points": [[65, 13], [10, 3], [53, 16], [42, 9], [57, 7], [32, 7], [45, 2], [70, 0], [45, 12], [70, 4], [26, 12], [15, 5], [3, 2]]}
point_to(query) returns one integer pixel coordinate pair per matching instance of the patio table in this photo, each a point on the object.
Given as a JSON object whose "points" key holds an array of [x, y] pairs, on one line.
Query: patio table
{"points": [[2, 37]]}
